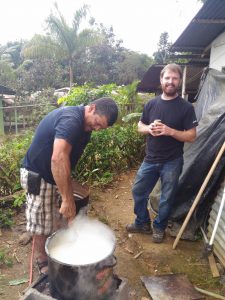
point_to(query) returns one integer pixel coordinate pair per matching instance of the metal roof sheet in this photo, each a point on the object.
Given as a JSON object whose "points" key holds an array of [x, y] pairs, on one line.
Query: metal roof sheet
{"points": [[6, 90], [207, 24]]}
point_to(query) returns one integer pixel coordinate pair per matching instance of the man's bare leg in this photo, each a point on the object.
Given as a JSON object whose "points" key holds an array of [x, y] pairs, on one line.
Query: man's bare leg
{"points": [[39, 248]]}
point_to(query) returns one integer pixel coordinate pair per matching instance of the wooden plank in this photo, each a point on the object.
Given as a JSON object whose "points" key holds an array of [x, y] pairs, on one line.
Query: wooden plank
{"points": [[213, 266]]}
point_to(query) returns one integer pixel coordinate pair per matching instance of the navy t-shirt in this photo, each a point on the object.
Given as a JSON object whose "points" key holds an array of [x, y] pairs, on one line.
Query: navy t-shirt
{"points": [[177, 114], [64, 123]]}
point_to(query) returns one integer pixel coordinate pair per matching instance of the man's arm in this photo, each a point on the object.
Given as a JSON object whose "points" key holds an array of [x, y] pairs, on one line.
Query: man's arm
{"points": [[182, 136], [143, 128], [61, 170]]}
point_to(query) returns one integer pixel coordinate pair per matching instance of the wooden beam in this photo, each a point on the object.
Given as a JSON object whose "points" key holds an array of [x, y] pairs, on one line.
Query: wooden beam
{"points": [[213, 266]]}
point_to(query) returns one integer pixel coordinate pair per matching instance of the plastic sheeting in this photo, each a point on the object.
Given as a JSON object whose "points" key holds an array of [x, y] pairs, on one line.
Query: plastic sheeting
{"points": [[200, 155]]}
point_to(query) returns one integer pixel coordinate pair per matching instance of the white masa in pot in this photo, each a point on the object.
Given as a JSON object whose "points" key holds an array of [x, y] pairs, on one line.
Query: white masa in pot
{"points": [[86, 241]]}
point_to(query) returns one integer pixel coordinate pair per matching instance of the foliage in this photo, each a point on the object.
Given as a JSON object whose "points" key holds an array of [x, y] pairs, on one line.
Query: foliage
{"points": [[125, 96], [4, 259], [12, 150], [7, 75], [163, 53], [19, 199], [110, 152], [39, 74], [132, 67], [69, 38], [10, 54], [131, 117], [86, 93], [6, 215], [99, 62], [92, 54]]}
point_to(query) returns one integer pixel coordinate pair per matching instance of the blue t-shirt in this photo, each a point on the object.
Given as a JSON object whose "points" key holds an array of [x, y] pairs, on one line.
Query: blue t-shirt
{"points": [[64, 123], [175, 113]]}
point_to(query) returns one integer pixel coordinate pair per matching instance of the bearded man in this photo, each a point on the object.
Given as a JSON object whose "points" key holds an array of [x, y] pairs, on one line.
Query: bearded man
{"points": [[168, 121]]}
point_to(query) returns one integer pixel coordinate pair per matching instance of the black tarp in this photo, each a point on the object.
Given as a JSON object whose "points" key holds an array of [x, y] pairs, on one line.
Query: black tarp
{"points": [[200, 155]]}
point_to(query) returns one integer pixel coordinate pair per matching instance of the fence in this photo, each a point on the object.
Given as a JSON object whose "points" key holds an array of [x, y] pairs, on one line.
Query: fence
{"points": [[19, 117], [14, 119]]}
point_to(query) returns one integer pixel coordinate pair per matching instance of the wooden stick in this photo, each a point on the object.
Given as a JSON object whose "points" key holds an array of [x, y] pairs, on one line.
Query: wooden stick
{"points": [[198, 197], [31, 261], [213, 266], [209, 293], [137, 255]]}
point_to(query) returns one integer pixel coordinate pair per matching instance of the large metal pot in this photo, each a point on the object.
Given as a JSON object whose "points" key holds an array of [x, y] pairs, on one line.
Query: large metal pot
{"points": [[93, 281]]}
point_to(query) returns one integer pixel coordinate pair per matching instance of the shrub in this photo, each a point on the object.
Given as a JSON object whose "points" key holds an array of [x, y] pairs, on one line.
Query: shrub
{"points": [[12, 150], [110, 152]]}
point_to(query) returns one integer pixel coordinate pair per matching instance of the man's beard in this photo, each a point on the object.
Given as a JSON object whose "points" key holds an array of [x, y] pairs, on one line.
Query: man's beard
{"points": [[169, 92]]}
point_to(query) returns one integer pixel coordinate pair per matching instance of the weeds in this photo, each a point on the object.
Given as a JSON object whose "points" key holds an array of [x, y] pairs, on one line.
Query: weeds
{"points": [[5, 260]]}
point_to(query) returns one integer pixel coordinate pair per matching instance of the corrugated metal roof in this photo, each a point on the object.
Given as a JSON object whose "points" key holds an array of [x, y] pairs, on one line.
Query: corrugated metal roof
{"points": [[208, 23], [219, 241]]}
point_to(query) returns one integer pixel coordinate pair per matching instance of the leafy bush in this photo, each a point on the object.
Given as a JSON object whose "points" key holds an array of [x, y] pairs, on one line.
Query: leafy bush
{"points": [[110, 152], [6, 215], [5, 259], [12, 150], [125, 96], [86, 93]]}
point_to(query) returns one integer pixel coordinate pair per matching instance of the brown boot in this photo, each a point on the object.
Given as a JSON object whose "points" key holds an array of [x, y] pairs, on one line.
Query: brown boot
{"points": [[133, 228]]}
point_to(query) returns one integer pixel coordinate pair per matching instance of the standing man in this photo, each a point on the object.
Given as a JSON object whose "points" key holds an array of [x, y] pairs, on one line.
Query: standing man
{"points": [[168, 121], [58, 143]]}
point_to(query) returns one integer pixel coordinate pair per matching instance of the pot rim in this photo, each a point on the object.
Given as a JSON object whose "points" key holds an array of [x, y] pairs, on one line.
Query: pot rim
{"points": [[73, 265]]}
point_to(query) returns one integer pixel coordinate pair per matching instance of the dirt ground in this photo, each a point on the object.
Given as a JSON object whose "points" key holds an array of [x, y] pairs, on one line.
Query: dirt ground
{"points": [[136, 254]]}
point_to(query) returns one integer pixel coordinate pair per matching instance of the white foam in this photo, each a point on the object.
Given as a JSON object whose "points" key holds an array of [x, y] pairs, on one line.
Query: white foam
{"points": [[86, 241]]}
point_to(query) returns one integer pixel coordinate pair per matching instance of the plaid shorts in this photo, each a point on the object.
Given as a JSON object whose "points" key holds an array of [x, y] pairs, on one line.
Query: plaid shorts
{"points": [[41, 210]]}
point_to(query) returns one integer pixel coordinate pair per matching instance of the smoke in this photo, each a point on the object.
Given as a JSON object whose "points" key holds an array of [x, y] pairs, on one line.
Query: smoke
{"points": [[85, 241]]}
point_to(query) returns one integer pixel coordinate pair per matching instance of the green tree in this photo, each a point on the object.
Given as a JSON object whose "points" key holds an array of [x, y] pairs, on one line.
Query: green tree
{"points": [[133, 67], [40, 74], [11, 53], [163, 52], [98, 64], [7, 75], [63, 42], [70, 39]]}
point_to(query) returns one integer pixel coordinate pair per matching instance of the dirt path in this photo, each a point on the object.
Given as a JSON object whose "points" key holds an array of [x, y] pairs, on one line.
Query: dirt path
{"points": [[114, 206]]}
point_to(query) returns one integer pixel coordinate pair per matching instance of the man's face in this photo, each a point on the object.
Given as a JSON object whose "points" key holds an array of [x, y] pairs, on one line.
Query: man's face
{"points": [[93, 121], [170, 83]]}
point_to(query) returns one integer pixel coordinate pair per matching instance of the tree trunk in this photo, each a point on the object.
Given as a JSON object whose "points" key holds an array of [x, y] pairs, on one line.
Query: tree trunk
{"points": [[71, 72]]}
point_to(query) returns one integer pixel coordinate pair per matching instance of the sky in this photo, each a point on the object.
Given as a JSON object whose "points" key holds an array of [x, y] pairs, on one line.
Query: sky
{"points": [[138, 23]]}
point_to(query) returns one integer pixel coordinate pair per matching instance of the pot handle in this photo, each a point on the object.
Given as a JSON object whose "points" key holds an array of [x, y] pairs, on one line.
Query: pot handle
{"points": [[109, 263]]}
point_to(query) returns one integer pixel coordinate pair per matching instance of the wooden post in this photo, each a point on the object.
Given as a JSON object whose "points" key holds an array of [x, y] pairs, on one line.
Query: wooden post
{"points": [[16, 123], [184, 83], [2, 131]]}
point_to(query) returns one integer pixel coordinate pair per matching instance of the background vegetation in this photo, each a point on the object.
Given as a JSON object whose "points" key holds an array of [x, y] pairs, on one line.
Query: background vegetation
{"points": [[68, 54], [93, 63]]}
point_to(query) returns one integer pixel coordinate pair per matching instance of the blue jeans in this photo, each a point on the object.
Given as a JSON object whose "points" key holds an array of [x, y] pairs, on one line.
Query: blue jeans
{"points": [[146, 179]]}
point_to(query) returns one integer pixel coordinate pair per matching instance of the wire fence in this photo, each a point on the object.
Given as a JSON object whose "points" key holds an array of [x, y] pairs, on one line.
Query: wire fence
{"points": [[17, 118], [20, 117]]}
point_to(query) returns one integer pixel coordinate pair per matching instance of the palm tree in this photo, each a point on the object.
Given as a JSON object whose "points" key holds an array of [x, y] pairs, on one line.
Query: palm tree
{"points": [[66, 36], [64, 41]]}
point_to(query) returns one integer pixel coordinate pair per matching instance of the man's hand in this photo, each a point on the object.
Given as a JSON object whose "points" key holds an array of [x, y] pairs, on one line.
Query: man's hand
{"points": [[68, 209], [160, 129]]}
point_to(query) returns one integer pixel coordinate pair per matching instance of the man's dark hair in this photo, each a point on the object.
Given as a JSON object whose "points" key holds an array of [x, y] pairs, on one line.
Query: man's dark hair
{"points": [[106, 107]]}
